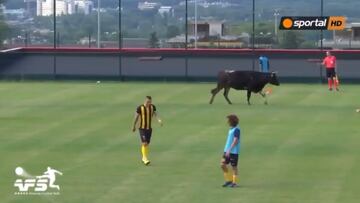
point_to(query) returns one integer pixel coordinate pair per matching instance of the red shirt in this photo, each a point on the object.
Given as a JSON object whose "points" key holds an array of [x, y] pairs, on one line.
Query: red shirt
{"points": [[329, 62]]}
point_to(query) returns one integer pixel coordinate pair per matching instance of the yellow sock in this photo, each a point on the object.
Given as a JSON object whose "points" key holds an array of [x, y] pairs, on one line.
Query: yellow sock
{"points": [[235, 179], [146, 151], [227, 176], [143, 152], [230, 174]]}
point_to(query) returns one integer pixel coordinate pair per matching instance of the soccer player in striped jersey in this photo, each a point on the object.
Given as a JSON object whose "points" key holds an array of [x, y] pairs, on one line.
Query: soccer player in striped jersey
{"points": [[231, 152], [145, 113]]}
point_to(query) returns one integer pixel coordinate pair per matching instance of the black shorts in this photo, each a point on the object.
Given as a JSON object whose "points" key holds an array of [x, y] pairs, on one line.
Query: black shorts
{"points": [[330, 72], [232, 159], [145, 135]]}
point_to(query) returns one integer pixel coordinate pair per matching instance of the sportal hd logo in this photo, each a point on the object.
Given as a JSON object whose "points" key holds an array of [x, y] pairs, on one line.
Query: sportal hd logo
{"points": [[37, 185], [312, 23]]}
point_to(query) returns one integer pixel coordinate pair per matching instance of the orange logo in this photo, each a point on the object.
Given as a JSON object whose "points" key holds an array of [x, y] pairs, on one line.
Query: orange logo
{"points": [[287, 23], [336, 23]]}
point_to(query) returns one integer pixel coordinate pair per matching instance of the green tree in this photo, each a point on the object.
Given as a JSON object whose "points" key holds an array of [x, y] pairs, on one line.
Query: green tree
{"points": [[308, 45], [291, 40], [172, 31], [154, 41]]}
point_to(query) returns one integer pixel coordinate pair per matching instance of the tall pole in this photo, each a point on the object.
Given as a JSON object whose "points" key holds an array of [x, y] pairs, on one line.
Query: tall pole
{"points": [[120, 24], [321, 36], [98, 26], [55, 40], [321, 31], [186, 24], [196, 23], [54, 19], [276, 14], [253, 35], [26, 38], [186, 40], [120, 39]]}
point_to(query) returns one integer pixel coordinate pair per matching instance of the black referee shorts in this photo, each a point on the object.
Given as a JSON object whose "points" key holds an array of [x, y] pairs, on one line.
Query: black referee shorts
{"points": [[145, 135], [330, 72]]}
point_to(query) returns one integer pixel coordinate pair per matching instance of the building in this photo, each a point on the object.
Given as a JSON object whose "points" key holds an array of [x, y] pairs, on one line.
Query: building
{"points": [[347, 38], [207, 4], [166, 10], [143, 6], [210, 34], [63, 7], [30, 6], [83, 6], [206, 29], [45, 7]]}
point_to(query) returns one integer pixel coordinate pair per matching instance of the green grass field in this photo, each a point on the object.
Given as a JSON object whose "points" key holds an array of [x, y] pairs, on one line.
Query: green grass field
{"points": [[303, 147]]}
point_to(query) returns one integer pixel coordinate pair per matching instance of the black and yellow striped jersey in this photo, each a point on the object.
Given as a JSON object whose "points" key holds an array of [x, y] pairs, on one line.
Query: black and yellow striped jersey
{"points": [[146, 115]]}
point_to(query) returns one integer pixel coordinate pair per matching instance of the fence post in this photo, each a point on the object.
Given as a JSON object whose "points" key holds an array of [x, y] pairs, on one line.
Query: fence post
{"points": [[26, 38], [58, 39], [321, 39], [253, 35], [55, 32], [120, 40], [89, 40], [186, 40]]}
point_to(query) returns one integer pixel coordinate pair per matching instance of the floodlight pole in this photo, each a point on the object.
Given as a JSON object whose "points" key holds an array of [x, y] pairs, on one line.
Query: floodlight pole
{"points": [[196, 23], [99, 25], [321, 39], [120, 24], [253, 35], [321, 31], [55, 41], [54, 19], [186, 24], [276, 14], [120, 40], [186, 39]]}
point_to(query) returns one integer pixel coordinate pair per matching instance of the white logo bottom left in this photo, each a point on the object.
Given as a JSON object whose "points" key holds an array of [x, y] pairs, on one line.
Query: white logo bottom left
{"points": [[37, 185]]}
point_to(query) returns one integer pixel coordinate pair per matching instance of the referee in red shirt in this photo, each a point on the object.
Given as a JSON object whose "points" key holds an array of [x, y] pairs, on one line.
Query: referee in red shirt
{"points": [[330, 63]]}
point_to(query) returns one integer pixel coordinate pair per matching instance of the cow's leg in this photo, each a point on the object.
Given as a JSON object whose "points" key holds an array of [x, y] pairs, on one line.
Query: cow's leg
{"points": [[248, 97], [265, 97], [226, 93], [214, 92]]}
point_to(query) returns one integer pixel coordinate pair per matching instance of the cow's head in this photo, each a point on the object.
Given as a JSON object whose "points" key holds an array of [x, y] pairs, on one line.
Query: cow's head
{"points": [[274, 79]]}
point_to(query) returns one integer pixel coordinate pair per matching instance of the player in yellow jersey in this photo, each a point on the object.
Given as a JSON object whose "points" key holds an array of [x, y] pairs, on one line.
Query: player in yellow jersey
{"points": [[145, 113]]}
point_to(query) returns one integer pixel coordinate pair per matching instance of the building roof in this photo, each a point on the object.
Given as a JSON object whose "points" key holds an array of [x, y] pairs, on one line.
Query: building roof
{"points": [[354, 25], [203, 22]]}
